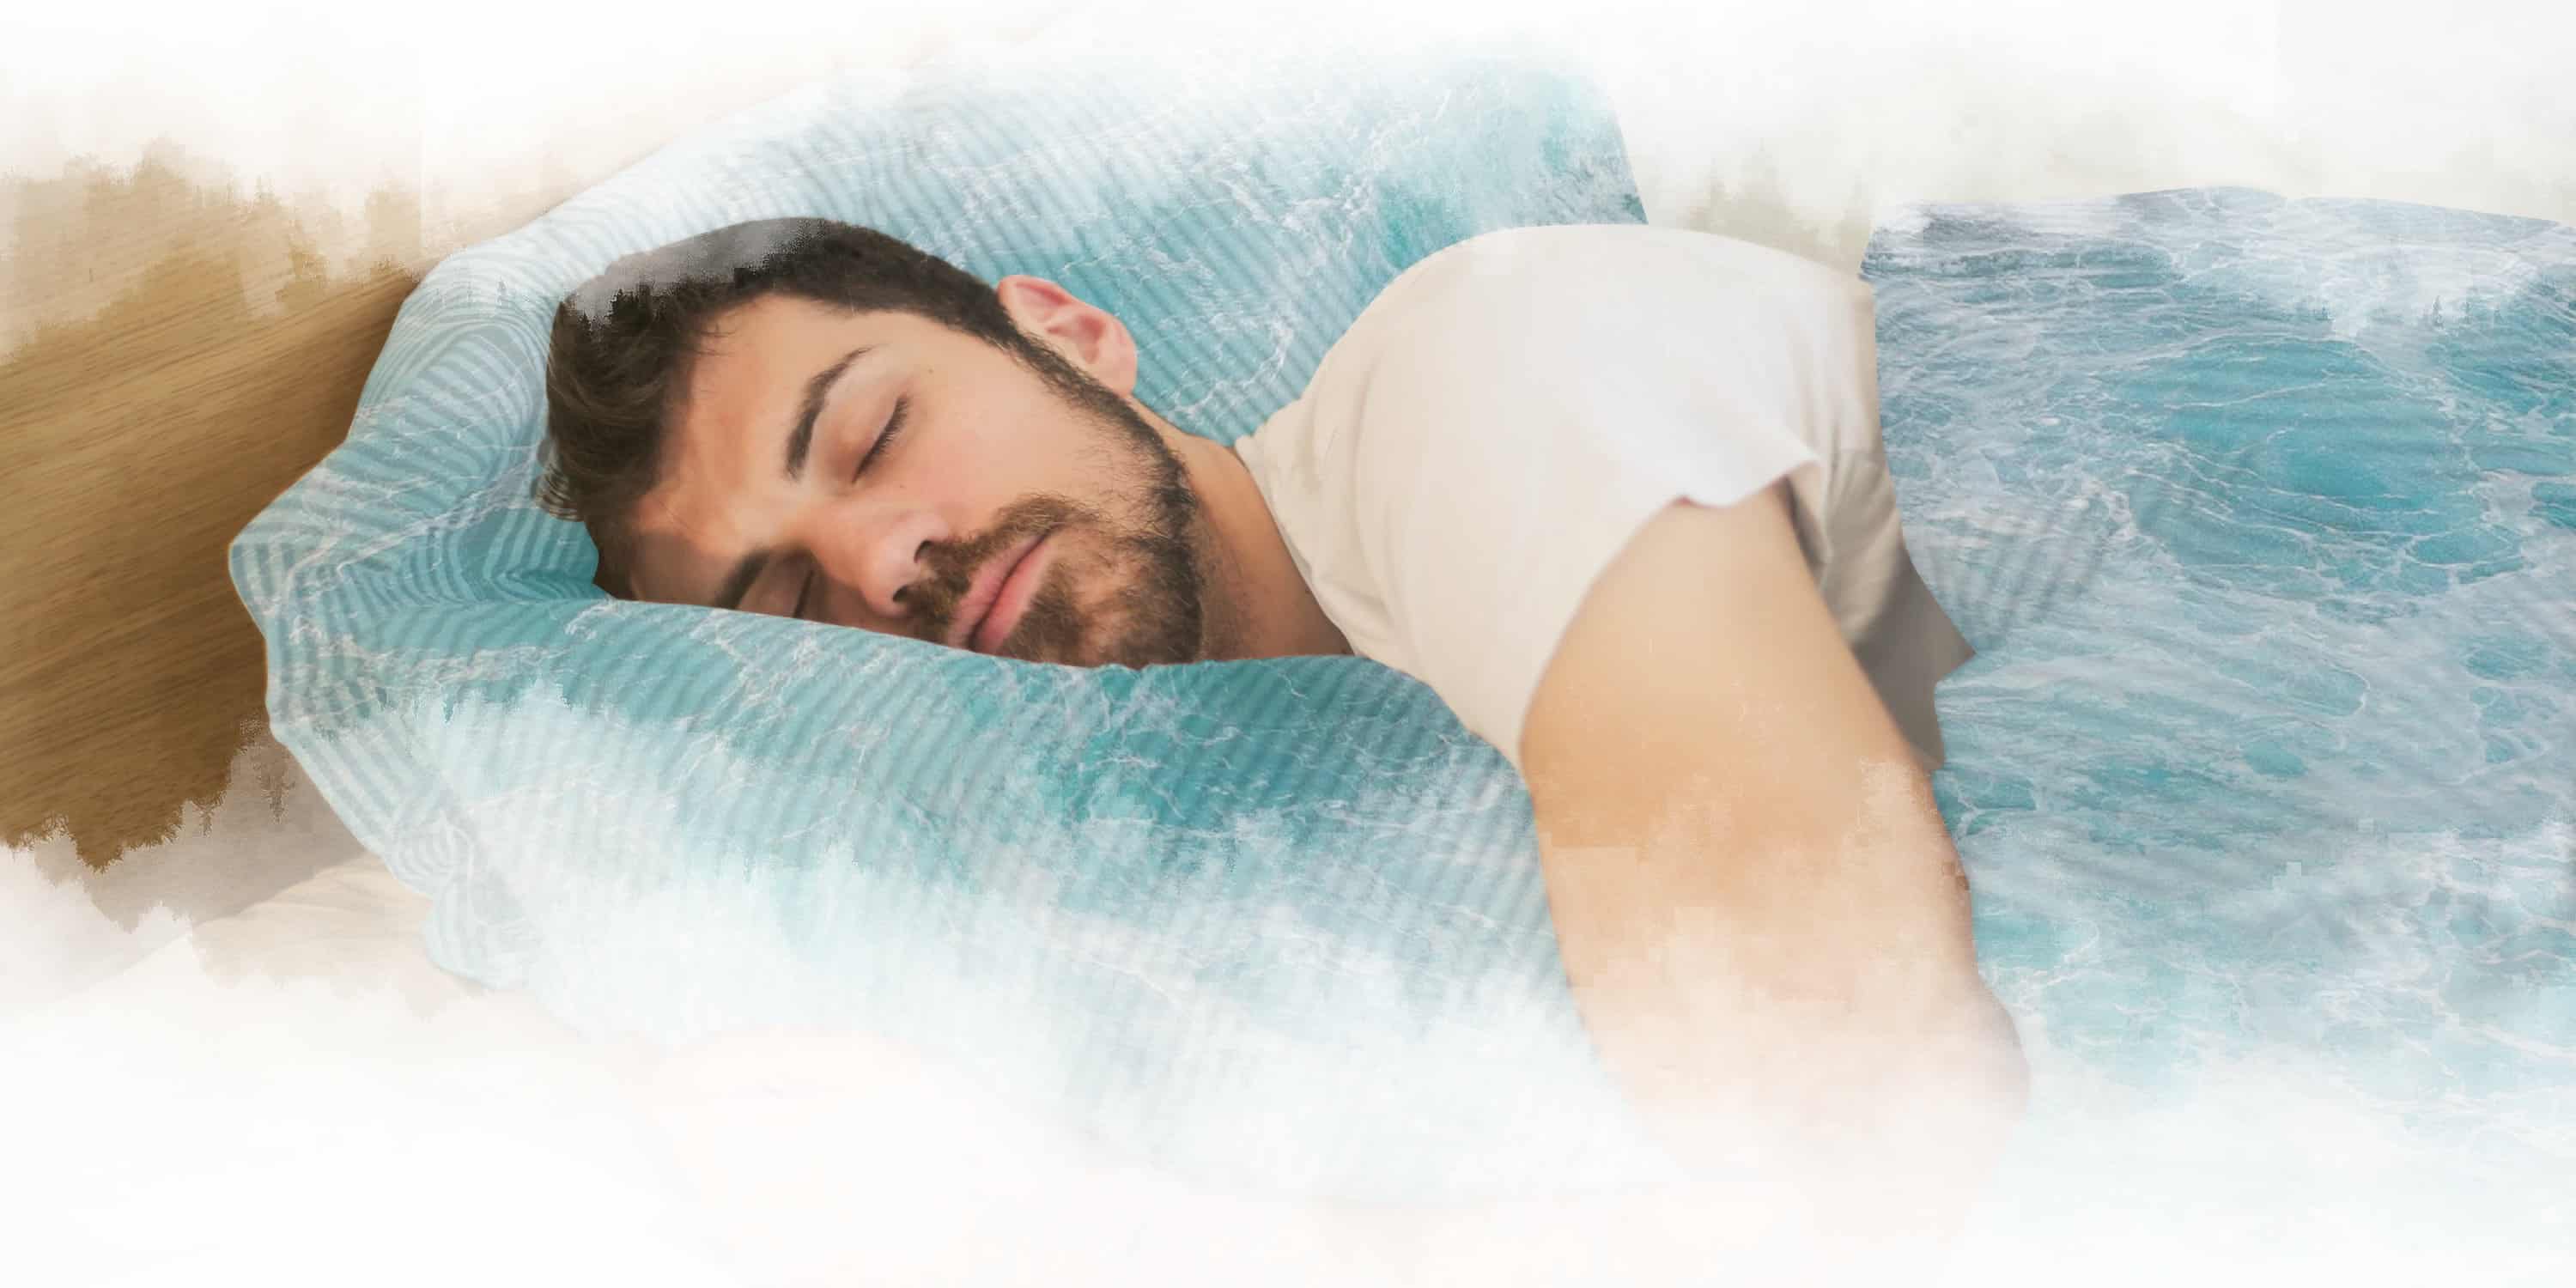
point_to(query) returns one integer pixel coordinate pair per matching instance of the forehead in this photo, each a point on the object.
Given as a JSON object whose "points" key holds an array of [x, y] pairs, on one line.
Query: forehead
{"points": [[752, 364]]}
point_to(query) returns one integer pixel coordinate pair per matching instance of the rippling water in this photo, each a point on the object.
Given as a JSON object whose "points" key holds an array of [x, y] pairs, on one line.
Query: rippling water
{"points": [[2262, 515]]}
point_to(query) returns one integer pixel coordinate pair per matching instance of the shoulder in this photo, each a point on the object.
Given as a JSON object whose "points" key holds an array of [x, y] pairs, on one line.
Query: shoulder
{"points": [[1520, 301], [1617, 258]]}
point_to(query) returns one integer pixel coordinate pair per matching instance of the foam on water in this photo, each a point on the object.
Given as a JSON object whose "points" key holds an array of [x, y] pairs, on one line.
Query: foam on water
{"points": [[2266, 772]]}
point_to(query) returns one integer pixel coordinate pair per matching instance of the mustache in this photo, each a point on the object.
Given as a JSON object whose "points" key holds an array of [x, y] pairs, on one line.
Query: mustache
{"points": [[949, 569]]}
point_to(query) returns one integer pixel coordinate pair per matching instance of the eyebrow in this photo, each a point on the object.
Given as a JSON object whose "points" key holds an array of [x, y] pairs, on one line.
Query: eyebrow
{"points": [[800, 443]]}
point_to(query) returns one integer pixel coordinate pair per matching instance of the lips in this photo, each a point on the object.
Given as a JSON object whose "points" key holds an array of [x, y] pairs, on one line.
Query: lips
{"points": [[986, 588]]}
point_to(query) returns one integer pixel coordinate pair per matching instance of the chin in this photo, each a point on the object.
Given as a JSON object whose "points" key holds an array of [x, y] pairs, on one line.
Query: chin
{"points": [[1083, 654], [1092, 653]]}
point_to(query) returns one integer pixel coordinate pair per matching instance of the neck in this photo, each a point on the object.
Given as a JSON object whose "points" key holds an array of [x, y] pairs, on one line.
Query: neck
{"points": [[1259, 605]]}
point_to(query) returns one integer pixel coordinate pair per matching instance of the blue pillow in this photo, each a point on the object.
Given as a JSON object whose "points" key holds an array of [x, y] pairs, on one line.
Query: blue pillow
{"points": [[1205, 909]]}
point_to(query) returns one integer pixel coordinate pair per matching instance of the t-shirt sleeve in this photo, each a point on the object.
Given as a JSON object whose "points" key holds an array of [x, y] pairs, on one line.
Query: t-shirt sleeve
{"points": [[1513, 429]]}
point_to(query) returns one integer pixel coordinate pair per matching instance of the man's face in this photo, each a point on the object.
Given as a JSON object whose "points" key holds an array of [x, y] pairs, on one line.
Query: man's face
{"points": [[943, 491]]}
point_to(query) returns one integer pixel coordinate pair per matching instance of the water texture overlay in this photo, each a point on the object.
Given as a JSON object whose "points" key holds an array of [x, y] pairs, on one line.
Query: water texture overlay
{"points": [[2259, 512]]}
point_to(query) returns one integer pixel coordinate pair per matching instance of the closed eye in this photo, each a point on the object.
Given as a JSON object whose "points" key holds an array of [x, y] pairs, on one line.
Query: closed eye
{"points": [[894, 427]]}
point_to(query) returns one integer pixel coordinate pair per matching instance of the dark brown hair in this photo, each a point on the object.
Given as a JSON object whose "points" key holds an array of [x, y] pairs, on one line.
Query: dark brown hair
{"points": [[625, 342]]}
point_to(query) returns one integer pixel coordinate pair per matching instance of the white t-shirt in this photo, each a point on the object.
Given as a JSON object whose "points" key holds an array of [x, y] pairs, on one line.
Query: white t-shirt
{"points": [[1498, 423]]}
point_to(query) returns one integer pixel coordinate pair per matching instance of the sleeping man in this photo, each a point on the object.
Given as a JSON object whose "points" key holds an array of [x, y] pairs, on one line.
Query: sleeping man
{"points": [[1615, 494]]}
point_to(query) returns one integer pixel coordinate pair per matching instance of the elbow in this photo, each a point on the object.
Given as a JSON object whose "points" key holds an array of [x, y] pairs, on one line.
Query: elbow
{"points": [[2011, 1066], [1991, 1075], [1960, 1063]]}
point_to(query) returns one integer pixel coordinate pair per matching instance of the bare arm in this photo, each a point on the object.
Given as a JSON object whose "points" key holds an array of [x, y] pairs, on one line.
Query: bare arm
{"points": [[1760, 912]]}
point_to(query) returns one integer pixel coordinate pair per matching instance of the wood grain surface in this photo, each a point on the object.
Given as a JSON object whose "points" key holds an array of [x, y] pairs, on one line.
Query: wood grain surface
{"points": [[191, 353]]}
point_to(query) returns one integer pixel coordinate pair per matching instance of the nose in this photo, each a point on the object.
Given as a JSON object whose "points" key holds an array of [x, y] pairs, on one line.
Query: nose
{"points": [[873, 554]]}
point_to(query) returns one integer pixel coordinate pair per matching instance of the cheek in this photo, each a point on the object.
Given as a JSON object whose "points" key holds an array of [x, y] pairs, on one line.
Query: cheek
{"points": [[969, 481], [1009, 453]]}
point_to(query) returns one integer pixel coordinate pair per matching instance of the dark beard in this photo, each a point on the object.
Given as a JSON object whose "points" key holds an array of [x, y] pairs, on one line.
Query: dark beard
{"points": [[1159, 604]]}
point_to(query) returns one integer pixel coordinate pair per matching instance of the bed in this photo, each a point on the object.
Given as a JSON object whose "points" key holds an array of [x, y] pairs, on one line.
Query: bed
{"points": [[2260, 514]]}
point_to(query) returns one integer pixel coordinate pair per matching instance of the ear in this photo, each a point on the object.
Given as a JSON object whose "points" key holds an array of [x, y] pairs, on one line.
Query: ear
{"points": [[1087, 336]]}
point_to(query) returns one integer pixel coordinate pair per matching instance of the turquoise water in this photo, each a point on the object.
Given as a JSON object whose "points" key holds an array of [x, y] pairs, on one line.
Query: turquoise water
{"points": [[2255, 510]]}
